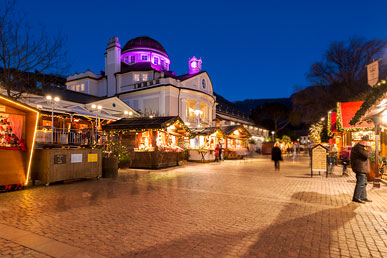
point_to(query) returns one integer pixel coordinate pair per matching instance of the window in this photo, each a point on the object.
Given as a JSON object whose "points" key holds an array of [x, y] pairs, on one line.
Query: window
{"points": [[126, 59], [77, 87], [144, 77], [132, 59], [204, 84], [39, 85], [82, 87], [156, 61], [144, 58], [136, 77], [162, 62]]}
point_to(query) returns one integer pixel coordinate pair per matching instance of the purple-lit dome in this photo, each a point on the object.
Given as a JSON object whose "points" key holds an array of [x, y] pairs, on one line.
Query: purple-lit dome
{"points": [[144, 42]]}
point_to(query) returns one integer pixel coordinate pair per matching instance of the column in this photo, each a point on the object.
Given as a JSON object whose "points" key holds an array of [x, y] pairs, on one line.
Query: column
{"points": [[183, 110], [162, 107], [197, 119]]}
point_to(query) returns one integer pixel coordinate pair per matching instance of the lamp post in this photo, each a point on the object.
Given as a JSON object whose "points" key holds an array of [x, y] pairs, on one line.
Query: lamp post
{"points": [[96, 108], [52, 102], [272, 135]]}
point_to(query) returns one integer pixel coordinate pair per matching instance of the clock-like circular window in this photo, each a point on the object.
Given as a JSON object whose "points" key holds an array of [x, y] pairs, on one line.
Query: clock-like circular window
{"points": [[204, 83]]}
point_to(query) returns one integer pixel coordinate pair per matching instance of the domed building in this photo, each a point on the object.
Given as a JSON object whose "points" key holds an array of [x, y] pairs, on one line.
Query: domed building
{"points": [[139, 74]]}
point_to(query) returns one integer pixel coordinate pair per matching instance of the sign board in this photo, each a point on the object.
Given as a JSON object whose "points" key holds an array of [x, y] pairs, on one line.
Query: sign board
{"points": [[2, 108], [373, 73], [92, 157], [76, 158], [60, 159], [319, 159]]}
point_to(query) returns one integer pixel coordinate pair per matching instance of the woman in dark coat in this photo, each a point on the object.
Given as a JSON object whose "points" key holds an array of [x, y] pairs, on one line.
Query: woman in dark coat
{"points": [[276, 156]]}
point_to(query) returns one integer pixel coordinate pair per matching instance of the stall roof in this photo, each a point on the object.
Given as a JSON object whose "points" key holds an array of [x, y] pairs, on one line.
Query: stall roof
{"points": [[345, 112], [332, 116], [203, 131], [137, 123], [374, 104], [227, 130]]}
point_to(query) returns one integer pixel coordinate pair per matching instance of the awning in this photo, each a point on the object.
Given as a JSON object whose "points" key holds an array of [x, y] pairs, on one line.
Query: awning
{"points": [[345, 112]]}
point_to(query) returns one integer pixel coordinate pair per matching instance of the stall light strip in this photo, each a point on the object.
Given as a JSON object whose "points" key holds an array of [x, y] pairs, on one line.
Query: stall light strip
{"points": [[32, 148], [14, 102]]}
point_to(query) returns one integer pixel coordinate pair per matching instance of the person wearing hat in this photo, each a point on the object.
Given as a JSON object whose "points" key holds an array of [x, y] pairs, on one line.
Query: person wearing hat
{"points": [[360, 165]]}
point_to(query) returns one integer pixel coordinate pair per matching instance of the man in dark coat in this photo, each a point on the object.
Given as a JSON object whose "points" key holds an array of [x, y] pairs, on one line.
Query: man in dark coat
{"points": [[276, 156], [360, 165]]}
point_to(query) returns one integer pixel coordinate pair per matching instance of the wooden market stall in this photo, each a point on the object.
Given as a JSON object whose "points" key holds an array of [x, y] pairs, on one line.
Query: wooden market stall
{"points": [[18, 124], [235, 141], [203, 142], [374, 109], [343, 134], [153, 142]]}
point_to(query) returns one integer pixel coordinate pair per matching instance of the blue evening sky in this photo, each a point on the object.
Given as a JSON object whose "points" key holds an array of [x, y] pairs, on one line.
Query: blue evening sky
{"points": [[250, 49]]}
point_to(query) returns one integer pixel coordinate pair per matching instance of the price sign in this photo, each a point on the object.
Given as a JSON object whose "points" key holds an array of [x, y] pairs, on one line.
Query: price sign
{"points": [[319, 159]]}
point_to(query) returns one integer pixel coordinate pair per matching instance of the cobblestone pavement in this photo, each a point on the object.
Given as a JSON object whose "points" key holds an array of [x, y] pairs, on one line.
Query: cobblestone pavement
{"points": [[228, 209], [11, 249]]}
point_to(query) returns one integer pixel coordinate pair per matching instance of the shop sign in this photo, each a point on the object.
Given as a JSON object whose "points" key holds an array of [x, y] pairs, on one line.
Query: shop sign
{"points": [[319, 159], [2, 108], [373, 73], [92, 157], [60, 159], [76, 158]]}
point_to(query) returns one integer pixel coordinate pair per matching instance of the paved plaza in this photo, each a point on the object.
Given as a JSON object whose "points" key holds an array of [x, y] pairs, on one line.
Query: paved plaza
{"points": [[228, 209]]}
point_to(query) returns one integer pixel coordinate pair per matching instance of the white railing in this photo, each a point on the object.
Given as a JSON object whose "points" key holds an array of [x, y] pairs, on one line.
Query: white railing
{"points": [[44, 135]]}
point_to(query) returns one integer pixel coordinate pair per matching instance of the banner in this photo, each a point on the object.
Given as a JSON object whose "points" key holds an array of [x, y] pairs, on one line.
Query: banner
{"points": [[373, 73]]}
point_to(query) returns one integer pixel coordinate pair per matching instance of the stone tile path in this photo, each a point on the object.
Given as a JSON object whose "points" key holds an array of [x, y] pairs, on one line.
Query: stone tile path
{"points": [[228, 209]]}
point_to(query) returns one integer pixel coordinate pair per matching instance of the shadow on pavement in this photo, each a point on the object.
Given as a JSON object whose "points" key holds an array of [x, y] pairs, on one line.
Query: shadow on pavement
{"points": [[290, 235]]}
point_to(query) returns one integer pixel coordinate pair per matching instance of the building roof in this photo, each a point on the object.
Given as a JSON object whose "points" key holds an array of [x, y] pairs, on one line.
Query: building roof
{"points": [[229, 130], [203, 131], [70, 95], [333, 122], [225, 106], [187, 76], [137, 123], [144, 42], [345, 112], [145, 66]]}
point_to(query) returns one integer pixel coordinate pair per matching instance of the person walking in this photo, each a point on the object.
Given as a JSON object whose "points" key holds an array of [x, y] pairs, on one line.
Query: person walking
{"points": [[294, 152], [359, 161], [217, 148], [220, 151], [276, 156]]}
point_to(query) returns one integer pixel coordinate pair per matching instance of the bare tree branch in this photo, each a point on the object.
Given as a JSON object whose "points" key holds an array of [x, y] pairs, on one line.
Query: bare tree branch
{"points": [[23, 52]]}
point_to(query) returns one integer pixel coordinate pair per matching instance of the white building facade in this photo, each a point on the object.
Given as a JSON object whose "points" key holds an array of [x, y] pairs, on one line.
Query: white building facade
{"points": [[139, 75]]}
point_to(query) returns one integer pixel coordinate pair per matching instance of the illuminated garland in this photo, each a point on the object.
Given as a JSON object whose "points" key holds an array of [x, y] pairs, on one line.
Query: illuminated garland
{"points": [[339, 123], [375, 94], [329, 124]]}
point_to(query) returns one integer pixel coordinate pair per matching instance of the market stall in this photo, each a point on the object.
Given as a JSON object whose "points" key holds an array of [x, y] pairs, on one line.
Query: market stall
{"points": [[344, 135], [235, 141], [374, 109], [18, 123], [54, 165], [153, 142], [203, 142]]}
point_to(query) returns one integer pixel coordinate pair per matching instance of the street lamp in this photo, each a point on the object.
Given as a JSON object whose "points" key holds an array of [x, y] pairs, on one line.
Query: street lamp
{"points": [[128, 113], [96, 108], [272, 135], [52, 102]]}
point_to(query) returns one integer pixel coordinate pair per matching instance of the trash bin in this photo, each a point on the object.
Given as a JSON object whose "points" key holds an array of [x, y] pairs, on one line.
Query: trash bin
{"points": [[110, 167]]}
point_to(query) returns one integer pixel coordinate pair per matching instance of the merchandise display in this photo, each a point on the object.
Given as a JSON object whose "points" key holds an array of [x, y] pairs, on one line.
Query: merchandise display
{"points": [[8, 133]]}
